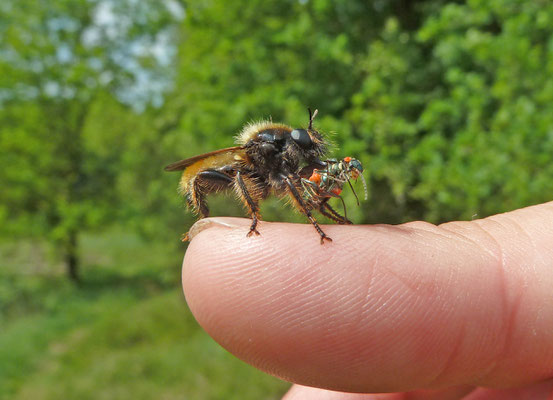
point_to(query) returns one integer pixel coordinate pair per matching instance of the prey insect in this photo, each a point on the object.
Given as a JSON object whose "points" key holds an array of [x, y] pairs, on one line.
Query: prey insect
{"points": [[328, 182], [267, 159]]}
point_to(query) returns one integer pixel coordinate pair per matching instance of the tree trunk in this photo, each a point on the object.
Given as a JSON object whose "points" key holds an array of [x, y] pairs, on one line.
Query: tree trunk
{"points": [[72, 258]]}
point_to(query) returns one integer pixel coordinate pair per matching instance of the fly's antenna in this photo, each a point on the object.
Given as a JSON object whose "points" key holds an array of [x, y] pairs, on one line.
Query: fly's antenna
{"points": [[312, 116], [365, 187], [355, 194]]}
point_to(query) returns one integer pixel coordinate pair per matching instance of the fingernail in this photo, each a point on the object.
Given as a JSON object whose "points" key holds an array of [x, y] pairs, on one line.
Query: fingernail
{"points": [[206, 223]]}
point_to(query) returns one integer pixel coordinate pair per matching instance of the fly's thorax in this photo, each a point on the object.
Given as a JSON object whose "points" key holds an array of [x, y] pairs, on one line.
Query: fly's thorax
{"points": [[253, 130]]}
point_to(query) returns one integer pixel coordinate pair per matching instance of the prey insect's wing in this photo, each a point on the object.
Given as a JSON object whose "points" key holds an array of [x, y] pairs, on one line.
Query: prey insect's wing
{"points": [[183, 164]]}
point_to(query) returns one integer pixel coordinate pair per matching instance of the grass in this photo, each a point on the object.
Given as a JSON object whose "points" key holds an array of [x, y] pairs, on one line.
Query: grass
{"points": [[125, 333]]}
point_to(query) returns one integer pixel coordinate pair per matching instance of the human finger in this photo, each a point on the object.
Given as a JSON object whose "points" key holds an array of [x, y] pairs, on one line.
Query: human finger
{"points": [[382, 308]]}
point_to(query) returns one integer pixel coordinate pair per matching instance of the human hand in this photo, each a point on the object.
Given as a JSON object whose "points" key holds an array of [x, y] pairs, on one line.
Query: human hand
{"points": [[447, 308]]}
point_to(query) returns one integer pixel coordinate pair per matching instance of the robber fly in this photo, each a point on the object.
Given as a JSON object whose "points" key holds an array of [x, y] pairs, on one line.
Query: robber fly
{"points": [[268, 158], [328, 182]]}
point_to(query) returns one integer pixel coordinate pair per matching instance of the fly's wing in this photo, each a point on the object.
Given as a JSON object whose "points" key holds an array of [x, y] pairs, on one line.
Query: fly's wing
{"points": [[215, 155]]}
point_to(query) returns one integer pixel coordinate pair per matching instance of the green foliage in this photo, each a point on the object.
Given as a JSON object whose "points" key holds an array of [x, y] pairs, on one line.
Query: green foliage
{"points": [[125, 333], [458, 116]]}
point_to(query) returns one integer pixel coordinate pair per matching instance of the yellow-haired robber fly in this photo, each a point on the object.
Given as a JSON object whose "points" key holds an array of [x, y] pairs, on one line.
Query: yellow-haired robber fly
{"points": [[267, 159]]}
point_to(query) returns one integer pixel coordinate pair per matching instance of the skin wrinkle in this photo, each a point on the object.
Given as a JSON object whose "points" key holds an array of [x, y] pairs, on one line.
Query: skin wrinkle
{"points": [[450, 360], [521, 269], [461, 230], [519, 273], [318, 290], [412, 286], [434, 381], [418, 289], [399, 309], [362, 313], [508, 309], [545, 283], [417, 286], [393, 303], [473, 242], [450, 318], [460, 235], [329, 334], [428, 340], [516, 303], [245, 257], [442, 232], [395, 309], [234, 277], [499, 258], [535, 254], [370, 291], [290, 310], [325, 285], [399, 344], [287, 319], [438, 231]]}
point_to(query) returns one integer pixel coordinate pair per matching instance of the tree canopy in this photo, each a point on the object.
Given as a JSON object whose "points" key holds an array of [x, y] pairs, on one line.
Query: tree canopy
{"points": [[447, 104], [63, 64]]}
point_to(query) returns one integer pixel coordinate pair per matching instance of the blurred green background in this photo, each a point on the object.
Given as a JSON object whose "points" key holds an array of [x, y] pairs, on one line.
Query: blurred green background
{"points": [[449, 105]]}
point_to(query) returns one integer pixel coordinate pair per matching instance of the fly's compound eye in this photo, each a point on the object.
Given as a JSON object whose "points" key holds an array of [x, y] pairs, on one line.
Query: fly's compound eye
{"points": [[302, 138], [356, 164]]}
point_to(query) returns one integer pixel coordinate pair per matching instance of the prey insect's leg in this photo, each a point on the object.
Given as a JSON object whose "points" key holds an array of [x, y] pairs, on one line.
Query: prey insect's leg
{"points": [[250, 203], [328, 215], [333, 214], [320, 202], [304, 208]]}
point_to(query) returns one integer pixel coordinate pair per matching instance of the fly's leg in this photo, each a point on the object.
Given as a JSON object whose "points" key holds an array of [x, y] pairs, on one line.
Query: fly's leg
{"points": [[198, 199], [250, 203], [205, 182]]}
